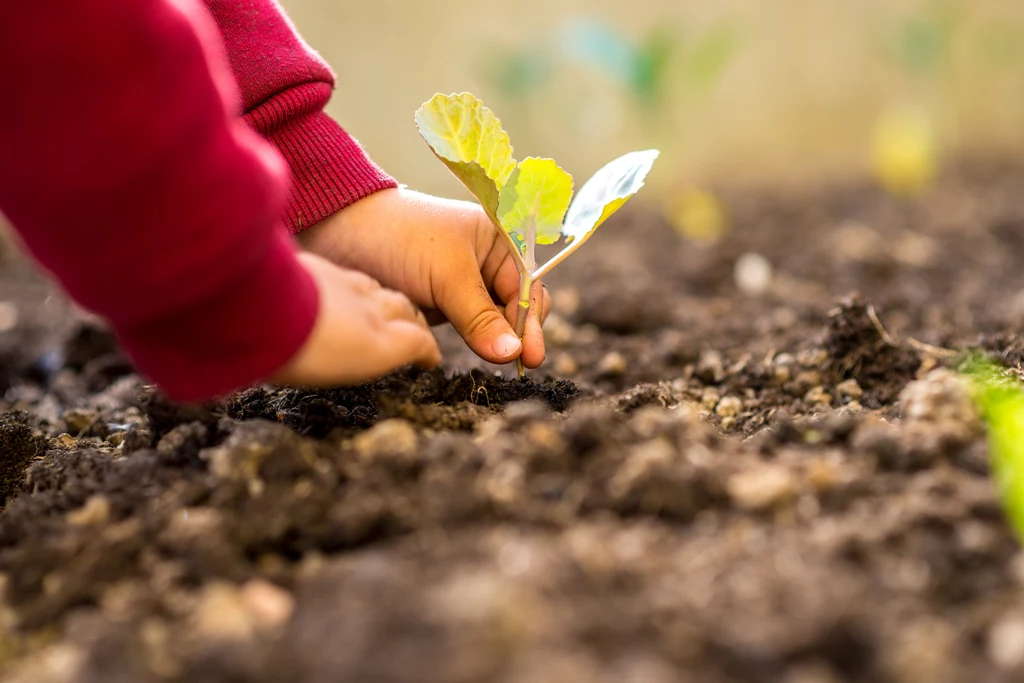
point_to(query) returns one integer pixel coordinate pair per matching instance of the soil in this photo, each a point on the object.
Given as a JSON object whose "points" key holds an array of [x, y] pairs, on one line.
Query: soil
{"points": [[703, 483]]}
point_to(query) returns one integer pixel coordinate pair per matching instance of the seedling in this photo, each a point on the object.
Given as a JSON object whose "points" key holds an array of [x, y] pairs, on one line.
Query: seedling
{"points": [[529, 201]]}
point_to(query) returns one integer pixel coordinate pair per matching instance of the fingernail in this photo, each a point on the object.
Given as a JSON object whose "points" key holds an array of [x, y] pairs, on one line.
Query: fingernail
{"points": [[506, 345]]}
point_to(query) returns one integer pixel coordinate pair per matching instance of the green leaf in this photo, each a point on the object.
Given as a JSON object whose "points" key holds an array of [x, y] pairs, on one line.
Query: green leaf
{"points": [[1001, 400], [606, 192], [535, 200], [469, 139]]}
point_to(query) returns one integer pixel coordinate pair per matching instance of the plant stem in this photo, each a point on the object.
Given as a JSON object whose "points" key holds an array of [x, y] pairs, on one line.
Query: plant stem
{"points": [[522, 311], [517, 256]]}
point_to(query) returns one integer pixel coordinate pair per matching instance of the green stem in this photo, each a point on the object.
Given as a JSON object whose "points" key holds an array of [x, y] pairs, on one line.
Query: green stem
{"points": [[522, 311]]}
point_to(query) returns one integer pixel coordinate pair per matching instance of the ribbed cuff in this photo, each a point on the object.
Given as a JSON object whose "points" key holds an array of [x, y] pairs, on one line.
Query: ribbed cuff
{"points": [[329, 168], [243, 334]]}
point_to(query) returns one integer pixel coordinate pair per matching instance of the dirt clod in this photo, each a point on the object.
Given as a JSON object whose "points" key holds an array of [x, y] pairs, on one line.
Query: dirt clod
{"points": [[777, 485]]}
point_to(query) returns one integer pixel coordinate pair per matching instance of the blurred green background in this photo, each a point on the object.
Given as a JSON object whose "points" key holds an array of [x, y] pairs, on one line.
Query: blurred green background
{"points": [[767, 92]]}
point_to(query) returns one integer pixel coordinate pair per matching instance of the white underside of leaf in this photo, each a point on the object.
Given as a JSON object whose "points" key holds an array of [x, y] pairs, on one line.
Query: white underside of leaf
{"points": [[606, 192]]}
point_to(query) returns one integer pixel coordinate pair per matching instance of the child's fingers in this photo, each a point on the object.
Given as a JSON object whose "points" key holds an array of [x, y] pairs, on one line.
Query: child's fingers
{"points": [[533, 337], [409, 342], [506, 281], [435, 317], [468, 306], [545, 307], [396, 306]]}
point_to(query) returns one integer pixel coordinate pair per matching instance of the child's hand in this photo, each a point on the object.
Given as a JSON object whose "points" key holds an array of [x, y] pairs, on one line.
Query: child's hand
{"points": [[447, 257], [362, 331]]}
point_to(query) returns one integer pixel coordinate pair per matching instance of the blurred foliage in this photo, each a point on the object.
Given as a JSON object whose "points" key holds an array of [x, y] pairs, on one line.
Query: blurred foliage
{"points": [[643, 68], [1000, 398], [926, 46], [665, 74], [922, 41], [697, 215], [904, 151]]}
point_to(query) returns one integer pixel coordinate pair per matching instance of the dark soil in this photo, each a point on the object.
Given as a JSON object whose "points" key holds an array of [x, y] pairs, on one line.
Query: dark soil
{"points": [[719, 486]]}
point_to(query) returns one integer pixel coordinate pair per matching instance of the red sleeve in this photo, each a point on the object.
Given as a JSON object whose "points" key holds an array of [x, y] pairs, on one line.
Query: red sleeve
{"points": [[126, 171], [285, 87]]}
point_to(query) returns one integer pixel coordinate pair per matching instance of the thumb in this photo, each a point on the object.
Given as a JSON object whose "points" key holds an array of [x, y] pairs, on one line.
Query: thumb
{"points": [[475, 317]]}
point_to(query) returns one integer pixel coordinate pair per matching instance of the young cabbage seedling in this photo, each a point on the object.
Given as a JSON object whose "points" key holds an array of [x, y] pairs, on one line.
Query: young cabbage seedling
{"points": [[528, 202]]}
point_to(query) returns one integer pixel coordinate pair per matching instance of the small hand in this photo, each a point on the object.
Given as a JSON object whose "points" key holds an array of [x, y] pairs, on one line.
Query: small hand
{"points": [[447, 257], [362, 331]]}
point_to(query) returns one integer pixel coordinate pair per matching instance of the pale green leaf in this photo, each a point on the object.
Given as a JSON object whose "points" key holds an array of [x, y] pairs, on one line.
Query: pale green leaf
{"points": [[469, 139], [606, 192], [1001, 400], [534, 201]]}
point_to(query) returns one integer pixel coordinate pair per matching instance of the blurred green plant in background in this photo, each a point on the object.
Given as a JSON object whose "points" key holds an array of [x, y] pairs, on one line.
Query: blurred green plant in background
{"points": [[644, 68], [929, 46], [662, 76], [999, 395]]}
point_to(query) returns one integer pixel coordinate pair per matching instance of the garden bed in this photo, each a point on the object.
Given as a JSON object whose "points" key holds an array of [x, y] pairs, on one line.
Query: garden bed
{"points": [[700, 484]]}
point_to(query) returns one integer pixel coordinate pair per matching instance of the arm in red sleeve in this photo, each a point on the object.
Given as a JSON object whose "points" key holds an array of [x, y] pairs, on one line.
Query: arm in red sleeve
{"points": [[126, 172], [285, 87]]}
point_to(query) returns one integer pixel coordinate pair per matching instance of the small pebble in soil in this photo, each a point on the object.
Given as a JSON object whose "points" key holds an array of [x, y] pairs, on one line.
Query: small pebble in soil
{"points": [[710, 367], [565, 365], [852, 408], [639, 468], [760, 488], [942, 399], [64, 442], [729, 406], [557, 331], [545, 436], [587, 334], [783, 367], [1006, 642], [79, 421], [804, 382], [818, 397], [822, 474], [222, 615], [612, 365], [850, 389], [61, 662], [812, 358], [95, 512], [752, 274], [566, 301], [270, 606], [709, 399], [394, 437]]}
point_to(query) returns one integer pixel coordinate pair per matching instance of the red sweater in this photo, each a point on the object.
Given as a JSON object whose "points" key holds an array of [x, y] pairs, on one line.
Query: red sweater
{"points": [[128, 170]]}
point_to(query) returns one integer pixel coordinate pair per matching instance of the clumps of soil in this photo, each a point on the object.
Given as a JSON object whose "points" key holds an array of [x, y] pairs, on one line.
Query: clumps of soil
{"points": [[730, 491], [19, 444], [93, 351], [431, 398], [264, 497], [858, 348], [622, 305]]}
